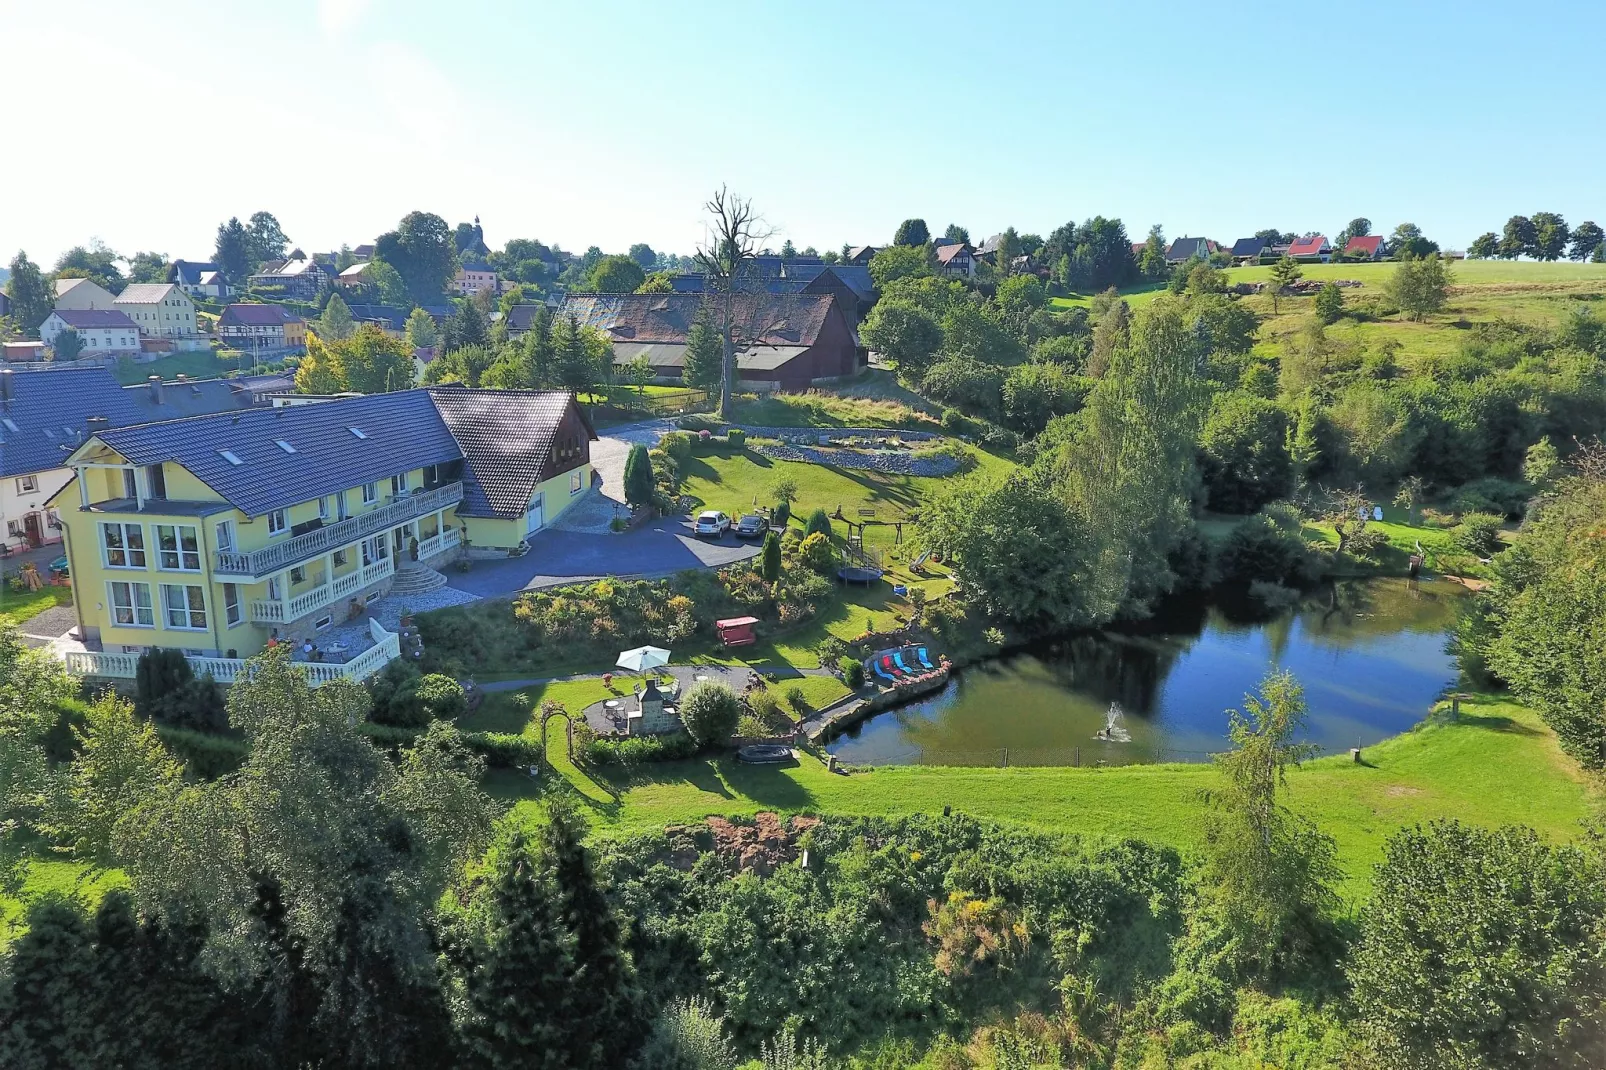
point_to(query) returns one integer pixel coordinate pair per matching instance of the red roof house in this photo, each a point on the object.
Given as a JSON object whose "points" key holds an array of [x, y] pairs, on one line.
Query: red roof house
{"points": [[1316, 247], [1369, 246]]}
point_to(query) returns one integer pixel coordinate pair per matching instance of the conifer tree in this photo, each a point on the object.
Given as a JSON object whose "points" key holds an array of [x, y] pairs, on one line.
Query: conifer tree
{"points": [[47, 1013], [638, 476], [606, 1020]]}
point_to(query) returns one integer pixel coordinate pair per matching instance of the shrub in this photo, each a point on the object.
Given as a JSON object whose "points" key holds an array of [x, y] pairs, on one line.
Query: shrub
{"points": [[817, 554], [710, 712], [198, 704], [736, 437], [955, 422], [853, 674], [208, 756], [1262, 550], [504, 750], [819, 524], [797, 700], [678, 444], [781, 515], [385, 686], [635, 750], [160, 671], [1478, 533], [1508, 497], [422, 699]]}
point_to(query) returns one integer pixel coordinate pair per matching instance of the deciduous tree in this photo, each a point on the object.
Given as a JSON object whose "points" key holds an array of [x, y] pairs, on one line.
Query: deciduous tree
{"points": [[68, 344], [1420, 287], [912, 232], [615, 275], [1485, 246], [735, 235], [424, 251], [265, 239], [31, 299], [904, 334], [421, 330], [1550, 236], [1587, 238], [336, 324], [1518, 237]]}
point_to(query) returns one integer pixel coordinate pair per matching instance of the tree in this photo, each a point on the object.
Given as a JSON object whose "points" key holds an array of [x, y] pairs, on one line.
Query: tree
{"points": [[639, 482], [1541, 465], [643, 255], [264, 238], [770, 558], [97, 263], [232, 252], [1300, 441], [423, 251], [120, 763], [1587, 239], [318, 866], [1243, 453], [898, 262], [31, 299], [615, 275], [1481, 948], [519, 973], [1329, 303], [147, 267], [817, 554], [372, 362], [336, 323], [467, 326], [49, 1014], [1518, 237], [606, 1019], [788, 251], [997, 533], [1413, 489], [582, 356], [955, 232], [1550, 236], [319, 372], [1359, 227], [735, 235], [818, 523], [386, 282], [69, 343], [1284, 273], [784, 489], [905, 334], [1420, 287], [1348, 511], [710, 712], [704, 362], [912, 232], [1270, 872], [1485, 246], [421, 331]]}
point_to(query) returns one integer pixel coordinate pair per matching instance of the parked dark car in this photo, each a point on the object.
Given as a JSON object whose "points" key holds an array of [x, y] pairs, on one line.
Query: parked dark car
{"points": [[751, 526]]}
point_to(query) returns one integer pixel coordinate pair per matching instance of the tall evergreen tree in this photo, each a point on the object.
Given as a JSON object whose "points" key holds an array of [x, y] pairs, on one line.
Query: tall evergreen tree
{"points": [[232, 253], [336, 324], [638, 476], [607, 1023], [520, 972], [538, 348], [48, 1017], [704, 360]]}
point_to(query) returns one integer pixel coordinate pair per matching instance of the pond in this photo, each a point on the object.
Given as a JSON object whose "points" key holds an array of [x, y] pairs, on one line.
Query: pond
{"points": [[1371, 655]]}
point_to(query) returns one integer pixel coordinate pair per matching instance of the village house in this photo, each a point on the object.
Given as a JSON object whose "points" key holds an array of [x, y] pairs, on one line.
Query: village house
{"points": [[261, 328], [82, 294], [220, 535], [798, 339], [957, 259], [1315, 247], [104, 332], [1364, 247], [198, 278], [862, 255], [299, 276], [161, 310], [1184, 249], [1248, 250], [473, 277]]}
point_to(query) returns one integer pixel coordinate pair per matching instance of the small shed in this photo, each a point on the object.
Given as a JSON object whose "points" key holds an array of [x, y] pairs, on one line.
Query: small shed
{"points": [[736, 631]]}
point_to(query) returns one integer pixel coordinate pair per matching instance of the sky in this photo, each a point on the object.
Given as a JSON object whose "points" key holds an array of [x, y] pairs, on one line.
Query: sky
{"points": [[608, 123]]}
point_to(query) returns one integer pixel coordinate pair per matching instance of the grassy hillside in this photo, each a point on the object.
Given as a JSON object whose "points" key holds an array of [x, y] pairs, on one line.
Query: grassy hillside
{"points": [[1496, 764]]}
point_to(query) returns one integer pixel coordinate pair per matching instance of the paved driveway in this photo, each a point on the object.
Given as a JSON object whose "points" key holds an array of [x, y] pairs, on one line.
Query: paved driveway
{"points": [[608, 453], [558, 557]]}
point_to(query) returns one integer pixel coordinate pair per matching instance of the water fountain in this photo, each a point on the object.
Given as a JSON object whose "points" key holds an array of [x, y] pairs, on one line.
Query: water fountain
{"points": [[1114, 730]]}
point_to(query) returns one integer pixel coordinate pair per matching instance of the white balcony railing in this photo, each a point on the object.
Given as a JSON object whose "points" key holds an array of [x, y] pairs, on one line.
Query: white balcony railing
{"points": [[293, 551], [278, 611], [435, 544], [386, 649]]}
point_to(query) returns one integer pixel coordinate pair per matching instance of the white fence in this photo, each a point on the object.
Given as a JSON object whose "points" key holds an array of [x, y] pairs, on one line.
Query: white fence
{"points": [[386, 648]]}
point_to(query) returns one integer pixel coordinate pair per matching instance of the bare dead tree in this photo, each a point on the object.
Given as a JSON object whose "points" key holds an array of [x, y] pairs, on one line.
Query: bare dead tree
{"points": [[736, 234]]}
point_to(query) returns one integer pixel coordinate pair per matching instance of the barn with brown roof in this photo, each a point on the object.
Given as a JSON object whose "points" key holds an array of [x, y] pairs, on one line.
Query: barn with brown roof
{"points": [[793, 339]]}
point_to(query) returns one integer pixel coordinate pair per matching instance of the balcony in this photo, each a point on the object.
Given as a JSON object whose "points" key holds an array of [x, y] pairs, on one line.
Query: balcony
{"points": [[259, 564], [386, 648], [279, 611]]}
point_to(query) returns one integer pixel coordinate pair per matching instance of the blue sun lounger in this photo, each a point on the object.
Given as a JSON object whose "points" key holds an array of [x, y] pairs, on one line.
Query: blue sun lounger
{"points": [[921, 654], [897, 659], [879, 671]]}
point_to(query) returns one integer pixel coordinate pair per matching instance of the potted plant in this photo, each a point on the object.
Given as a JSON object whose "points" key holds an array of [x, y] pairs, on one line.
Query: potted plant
{"points": [[406, 617], [412, 547]]}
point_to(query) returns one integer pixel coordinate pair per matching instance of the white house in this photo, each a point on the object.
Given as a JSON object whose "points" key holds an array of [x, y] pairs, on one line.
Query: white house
{"points": [[198, 277], [159, 310], [104, 331]]}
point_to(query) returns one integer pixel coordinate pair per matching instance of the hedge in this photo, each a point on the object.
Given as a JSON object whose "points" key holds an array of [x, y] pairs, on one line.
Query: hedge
{"points": [[637, 749]]}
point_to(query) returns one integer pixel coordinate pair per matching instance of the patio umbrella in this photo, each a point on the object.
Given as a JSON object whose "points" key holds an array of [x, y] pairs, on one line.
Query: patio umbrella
{"points": [[643, 658]]}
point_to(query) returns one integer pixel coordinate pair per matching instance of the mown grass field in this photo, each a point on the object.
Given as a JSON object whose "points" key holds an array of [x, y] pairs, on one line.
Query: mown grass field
{"points": [[1497, 764], [202, 365], [22, 606]]}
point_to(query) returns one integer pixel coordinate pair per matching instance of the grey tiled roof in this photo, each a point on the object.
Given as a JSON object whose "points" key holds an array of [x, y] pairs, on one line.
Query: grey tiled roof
{"points": [[189, 272], [48, 410], [192, 397], [506, 437], [1248, 247], [95, 317], [402, 432], [1184, 248], [251, 315], [777, 319]]}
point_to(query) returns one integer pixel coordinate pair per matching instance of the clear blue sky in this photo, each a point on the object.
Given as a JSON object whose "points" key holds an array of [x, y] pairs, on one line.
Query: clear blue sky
{"points": [[609, 122]]}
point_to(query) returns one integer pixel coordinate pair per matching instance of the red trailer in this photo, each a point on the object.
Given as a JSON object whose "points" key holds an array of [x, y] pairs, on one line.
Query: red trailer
{"points": [[737, 631]]}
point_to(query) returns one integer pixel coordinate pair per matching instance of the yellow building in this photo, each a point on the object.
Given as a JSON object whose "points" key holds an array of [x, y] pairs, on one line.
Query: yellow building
{"points": [[220, 534]]}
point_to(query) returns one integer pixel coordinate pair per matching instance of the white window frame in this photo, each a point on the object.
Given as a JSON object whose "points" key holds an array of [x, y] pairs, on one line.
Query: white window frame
{"points": [[224, 534], [27, 484], [278, 523], [576, 484], [323, 507], [178, 551], [128, 552], [132, 605], [190, 613], [370, 493], [231, 605], [398, 483]]}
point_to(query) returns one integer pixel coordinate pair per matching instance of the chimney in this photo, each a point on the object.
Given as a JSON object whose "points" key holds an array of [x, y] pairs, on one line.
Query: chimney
{"points": [[5, 385], [97, 424], [181, 378], [156, 387]]}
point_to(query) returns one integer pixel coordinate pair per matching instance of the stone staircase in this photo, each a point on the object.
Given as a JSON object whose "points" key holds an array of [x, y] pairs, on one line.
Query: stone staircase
{"points": [[415, 579]]}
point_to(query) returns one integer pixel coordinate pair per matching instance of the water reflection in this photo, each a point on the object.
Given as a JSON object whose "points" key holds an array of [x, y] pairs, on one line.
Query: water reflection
{"points": [[1370, 654]]}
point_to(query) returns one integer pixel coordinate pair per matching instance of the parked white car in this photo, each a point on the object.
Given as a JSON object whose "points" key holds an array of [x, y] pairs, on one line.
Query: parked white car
{"points": [[712, 523]]}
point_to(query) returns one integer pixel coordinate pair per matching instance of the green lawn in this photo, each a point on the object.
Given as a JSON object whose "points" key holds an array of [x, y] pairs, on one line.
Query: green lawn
{"points": [[1136, 296], [1497, 764], [25, 605], [202, 365]]}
